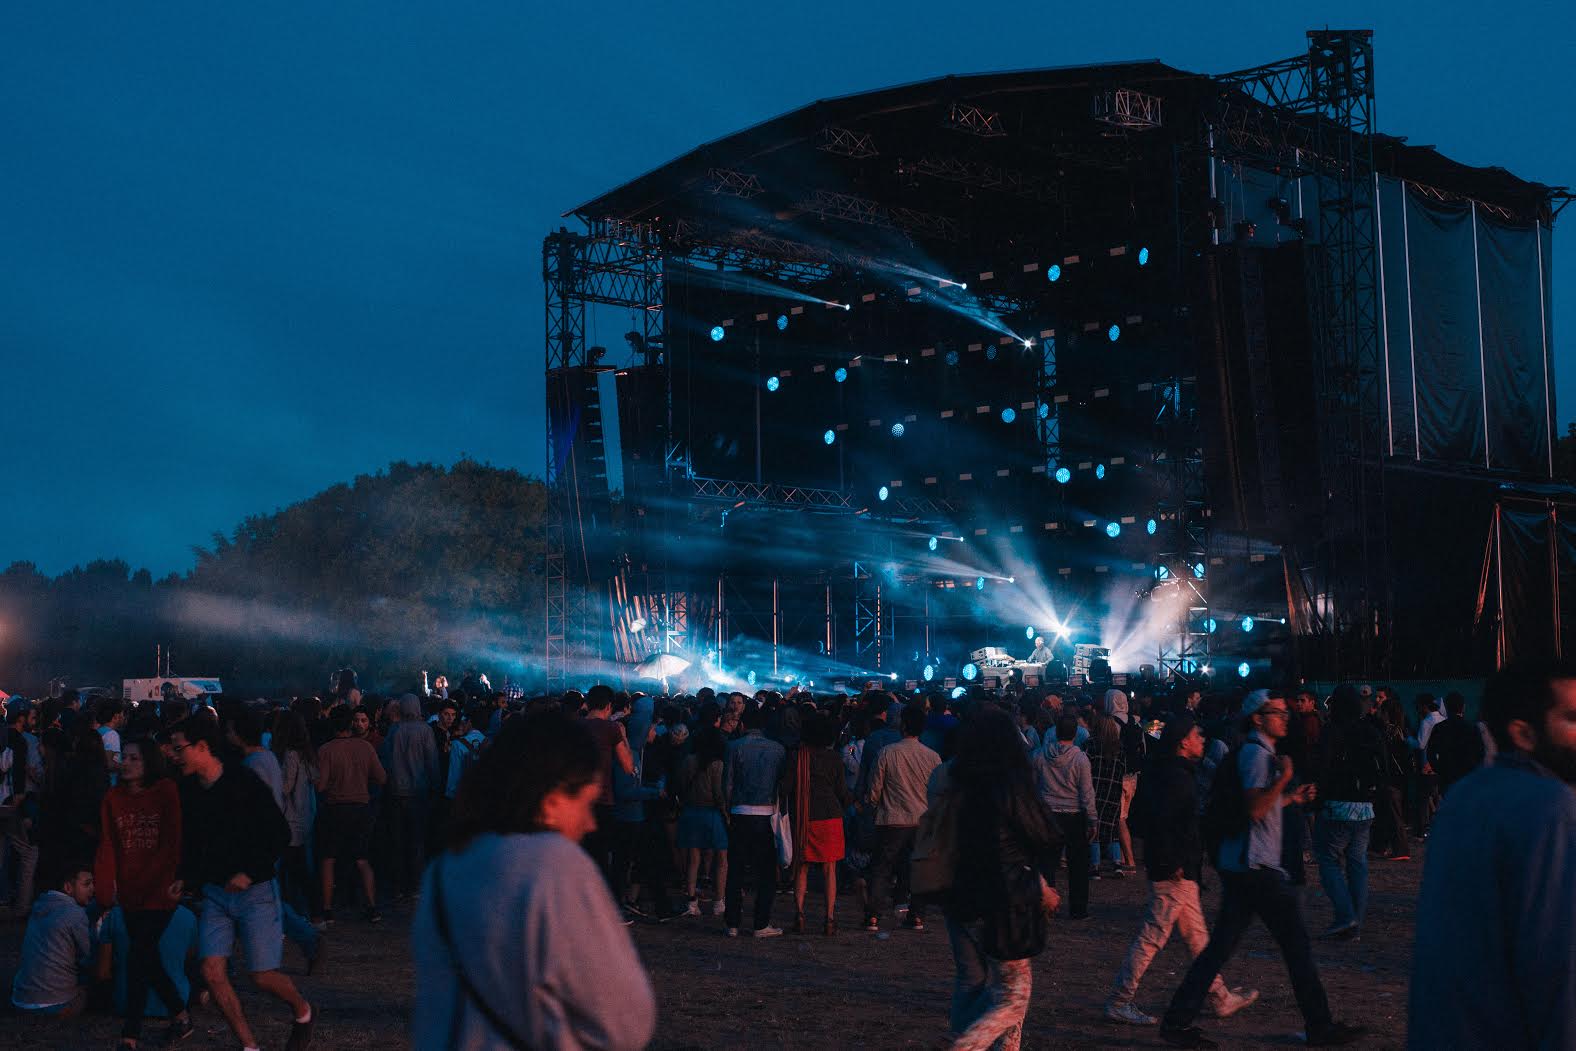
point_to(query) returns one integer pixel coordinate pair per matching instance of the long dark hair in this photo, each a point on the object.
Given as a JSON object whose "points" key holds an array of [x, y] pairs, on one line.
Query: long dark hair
{"points": [[709, 747], [529, 758], [154, 767], [290, 735], [992, 771]]}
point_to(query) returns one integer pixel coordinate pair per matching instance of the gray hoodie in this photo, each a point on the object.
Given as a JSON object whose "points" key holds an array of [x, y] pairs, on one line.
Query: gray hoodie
{"points": [[55, 950], [1063, 777]]}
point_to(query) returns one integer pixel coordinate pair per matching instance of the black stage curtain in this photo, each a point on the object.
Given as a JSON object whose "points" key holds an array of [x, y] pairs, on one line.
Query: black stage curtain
{"points": [[1518, 379]]}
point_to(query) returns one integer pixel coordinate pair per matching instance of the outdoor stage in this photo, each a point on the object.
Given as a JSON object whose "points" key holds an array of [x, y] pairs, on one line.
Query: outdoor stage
{"points": [[1202, 369]]}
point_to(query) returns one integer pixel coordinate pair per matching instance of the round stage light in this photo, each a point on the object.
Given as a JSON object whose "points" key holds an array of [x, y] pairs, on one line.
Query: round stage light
{"points": [[1210, 625], [1150, 527], [1198, 570], [1113, 333], [970, 672], [952, 357], [829, 437], [1247, 623], [897, 430], [958, 691], [717, 333], [1053, 272], [840, 375], [772, 383], [750, 678], [782, 322], [1113, 529], [892, 675], [883, 492], [1043, 410], [1162, 573], [1243, 670], [1008, 415], [933, 543], [1028, 633], [1099, 471], [929, 672], [979, 583], [1063, 475], [990, 353], [1143, 257]]}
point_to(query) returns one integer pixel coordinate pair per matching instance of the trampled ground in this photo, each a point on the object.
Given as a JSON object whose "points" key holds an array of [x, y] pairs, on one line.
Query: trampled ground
{"points": [[852, 991]]}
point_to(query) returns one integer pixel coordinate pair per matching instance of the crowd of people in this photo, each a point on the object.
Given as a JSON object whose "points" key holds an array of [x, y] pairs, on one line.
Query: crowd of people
{"points": [[142, 844]]}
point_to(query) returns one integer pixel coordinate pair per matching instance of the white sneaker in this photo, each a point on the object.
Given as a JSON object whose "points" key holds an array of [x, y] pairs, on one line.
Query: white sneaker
{"points": [[1129, 1014], [693, 909], [733, 932], [769, 932], [1235, 1001], [719, 907]]}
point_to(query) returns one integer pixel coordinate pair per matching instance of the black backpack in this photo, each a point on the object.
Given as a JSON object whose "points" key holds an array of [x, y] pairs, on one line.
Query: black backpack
{"points": [[1356, 770], [1135, 745], [1226, 810]]}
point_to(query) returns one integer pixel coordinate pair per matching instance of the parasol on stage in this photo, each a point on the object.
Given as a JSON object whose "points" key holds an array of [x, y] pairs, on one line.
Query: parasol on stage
{"points": [[661, 666]]}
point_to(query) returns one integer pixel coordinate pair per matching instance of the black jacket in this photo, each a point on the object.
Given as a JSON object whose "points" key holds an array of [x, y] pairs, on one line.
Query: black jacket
{"points": [[1170, 820], [1455, 749], [991, 841], [231, 826]]}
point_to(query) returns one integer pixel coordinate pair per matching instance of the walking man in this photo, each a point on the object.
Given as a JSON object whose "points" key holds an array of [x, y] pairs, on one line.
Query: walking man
{"points": [[1066, 788], [897, 794], [347, 768], [752, 774], [1255, 787]]}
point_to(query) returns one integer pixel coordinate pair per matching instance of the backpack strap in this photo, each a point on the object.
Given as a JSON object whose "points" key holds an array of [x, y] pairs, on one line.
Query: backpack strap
{"points": [[496, 1021]]}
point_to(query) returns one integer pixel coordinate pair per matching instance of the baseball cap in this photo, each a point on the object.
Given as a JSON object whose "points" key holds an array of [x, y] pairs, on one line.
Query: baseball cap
{"points": [[1254, 701]]}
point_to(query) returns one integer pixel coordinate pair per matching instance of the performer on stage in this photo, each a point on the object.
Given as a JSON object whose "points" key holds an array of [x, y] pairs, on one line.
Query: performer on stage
{"points": [[1042, 653]]}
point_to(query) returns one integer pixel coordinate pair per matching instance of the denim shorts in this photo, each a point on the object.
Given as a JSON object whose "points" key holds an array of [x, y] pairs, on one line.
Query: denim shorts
{"points": [[254, 912]]}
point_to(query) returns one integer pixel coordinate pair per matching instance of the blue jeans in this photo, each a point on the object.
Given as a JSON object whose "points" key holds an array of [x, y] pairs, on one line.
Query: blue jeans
{"points": [[1342, 850]]}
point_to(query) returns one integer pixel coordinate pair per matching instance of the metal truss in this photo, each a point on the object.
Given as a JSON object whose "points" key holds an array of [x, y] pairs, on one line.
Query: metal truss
{"points": [[804, 498], [1048, 422], [962, 116], [830, 204], [725, 182], [756, 252], [874, 632], [1128, 109], [985, 176], [845, 142]]}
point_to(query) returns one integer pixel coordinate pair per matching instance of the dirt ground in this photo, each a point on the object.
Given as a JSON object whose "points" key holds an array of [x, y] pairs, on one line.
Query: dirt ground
{"points": [[853, 991]]}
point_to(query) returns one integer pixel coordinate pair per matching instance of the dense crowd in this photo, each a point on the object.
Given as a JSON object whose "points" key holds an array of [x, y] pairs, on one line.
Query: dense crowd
{"points": [[144, 843]]}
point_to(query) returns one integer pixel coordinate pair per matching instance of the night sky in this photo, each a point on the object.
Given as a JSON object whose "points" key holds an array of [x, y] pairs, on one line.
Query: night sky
{"points": [[249, 251]]}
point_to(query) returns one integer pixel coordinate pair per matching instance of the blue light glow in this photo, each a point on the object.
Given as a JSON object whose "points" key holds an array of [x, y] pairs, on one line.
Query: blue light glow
{"points": [[952, 357], [1113, 333], [958, 691], [933, 544], [882, 493], [979, 583], [829, 437], [1044, 410], [1198, 570], [897, 430], [1008, 415], [1053, 272], [1028, 633], [1150, 527], [1247, 623], [750, 678], [1143, 257], [929, 672], [990, 353], [1099, 471], [772, 383], [1210, 625], [840, 375], [970, 672], [1162, 573], [1113, 529], [782, 322], [1243, 670], [1063, 475], [717, 333]]}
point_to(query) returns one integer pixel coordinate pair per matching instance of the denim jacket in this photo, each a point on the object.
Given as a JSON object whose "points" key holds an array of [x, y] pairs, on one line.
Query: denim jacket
{"points": [[752, 770]]}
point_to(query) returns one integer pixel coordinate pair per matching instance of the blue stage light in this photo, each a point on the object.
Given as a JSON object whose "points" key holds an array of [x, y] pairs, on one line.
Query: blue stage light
{"points": [[933, 543], [829, 437], [979, 583], [772, 383], [750, 678], [840, 375], [952, 357], [970, 672], [929, 672], [1028, 633], [1113, 333], [958, 691], [1210, 625], [1150, 527], [990, 353], [1143, 257], [1008, 415], [1099, 471], [897, 430], [1247, 623], [1043, 410], [1063, 475], [883, 492], [1198, 570], [782, 322], [1162, 573], [717, 333], [1053, 272], [1113, 529], [1243, 671]]}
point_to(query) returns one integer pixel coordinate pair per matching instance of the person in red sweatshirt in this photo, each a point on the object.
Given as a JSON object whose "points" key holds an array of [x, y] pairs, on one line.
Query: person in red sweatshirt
{"points": [[138, 857]]}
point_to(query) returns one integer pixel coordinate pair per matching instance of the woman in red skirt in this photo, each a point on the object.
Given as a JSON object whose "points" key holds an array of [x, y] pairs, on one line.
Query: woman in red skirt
{"points": [[817, 798]]}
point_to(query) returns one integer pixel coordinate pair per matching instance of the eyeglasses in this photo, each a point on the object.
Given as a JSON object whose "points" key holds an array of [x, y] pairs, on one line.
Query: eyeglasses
{"points": [[178, 748], [1273, 711]]}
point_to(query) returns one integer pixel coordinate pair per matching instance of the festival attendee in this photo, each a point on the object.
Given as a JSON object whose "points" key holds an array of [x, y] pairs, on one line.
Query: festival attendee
{"points": [[1428, 717], [614, 748], [76, 776], [897, 796], [817, 797], [176, 946], [1390, 839], [136, 868], [752, 777], [1351, 772], [1252, 786], [1494, 963], [515, 974], [1108, 768], [1165, 816], [638, 863], [1005, 838], [347, 769], [292, 747], [703, 828], [109, 719], [26, 778], [1066, 788], [232, 836], [410, 756], [1455, 748], [57, 949], [1134, 745], [465, 747]]}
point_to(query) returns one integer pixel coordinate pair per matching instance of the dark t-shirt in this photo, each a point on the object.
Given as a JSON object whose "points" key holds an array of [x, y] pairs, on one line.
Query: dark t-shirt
{"points": [[607, 735]]}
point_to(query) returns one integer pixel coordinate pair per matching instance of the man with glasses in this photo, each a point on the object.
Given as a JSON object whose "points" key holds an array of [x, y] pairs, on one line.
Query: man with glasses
{"points": [[1254, 883]]}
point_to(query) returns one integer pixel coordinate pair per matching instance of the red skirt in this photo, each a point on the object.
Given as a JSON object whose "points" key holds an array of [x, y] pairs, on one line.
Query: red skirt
{"points": [[824, 841]]}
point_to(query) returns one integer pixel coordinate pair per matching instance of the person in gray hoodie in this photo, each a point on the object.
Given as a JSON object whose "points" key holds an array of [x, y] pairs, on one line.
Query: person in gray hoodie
{"points": [[57, 949], [1066, 786], [410, 756]]}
